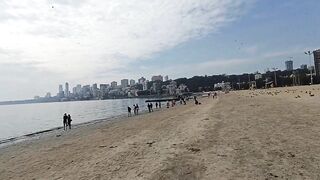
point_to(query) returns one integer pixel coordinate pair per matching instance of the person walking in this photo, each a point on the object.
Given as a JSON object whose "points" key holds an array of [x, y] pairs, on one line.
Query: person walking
{"points": [[137, 106], [69, 121], [149, 107], [65, 121], [129, 111], [156, 105], [134, 109]]}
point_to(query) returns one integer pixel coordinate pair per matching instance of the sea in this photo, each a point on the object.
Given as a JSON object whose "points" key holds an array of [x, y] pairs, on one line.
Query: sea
{"points": [[25, 119]]}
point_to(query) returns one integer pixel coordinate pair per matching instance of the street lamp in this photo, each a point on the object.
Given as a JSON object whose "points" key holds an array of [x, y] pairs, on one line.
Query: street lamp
{"points": [[275, 77], [311, 72]]}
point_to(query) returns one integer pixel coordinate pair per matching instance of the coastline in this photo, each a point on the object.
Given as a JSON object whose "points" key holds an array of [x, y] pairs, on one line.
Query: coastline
{"points": [[57, 130], [260, 134]]}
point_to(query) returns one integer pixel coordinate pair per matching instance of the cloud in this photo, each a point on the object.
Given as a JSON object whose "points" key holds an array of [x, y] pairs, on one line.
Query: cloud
{"points": [[78, 38]]}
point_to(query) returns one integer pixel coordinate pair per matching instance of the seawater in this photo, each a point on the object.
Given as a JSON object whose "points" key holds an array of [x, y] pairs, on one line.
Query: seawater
{"points": [[22, 119]]}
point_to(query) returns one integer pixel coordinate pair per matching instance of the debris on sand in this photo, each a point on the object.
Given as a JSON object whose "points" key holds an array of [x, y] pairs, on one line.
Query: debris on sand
{"points": [[192, 149], [150, 143]]}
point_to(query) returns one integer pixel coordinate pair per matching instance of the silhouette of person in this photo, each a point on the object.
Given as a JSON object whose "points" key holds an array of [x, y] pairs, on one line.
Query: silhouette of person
{"points": [[134, 109], [65, 123], [69, 121], [137, 107], [129, 111], [156, 105], [149, 107], [160, 105]]}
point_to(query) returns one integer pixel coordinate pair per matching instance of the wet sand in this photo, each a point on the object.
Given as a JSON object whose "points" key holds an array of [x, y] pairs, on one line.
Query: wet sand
{"points": [[262, 134]]}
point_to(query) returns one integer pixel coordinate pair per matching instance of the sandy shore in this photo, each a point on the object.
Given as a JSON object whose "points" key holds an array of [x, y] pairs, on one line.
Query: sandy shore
{"points": [[262, 134]]}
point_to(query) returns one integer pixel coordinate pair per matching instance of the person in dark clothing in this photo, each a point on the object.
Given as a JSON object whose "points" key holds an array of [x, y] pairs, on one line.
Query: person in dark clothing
{"points": [[151, 107], [129, 111], [160, 105], [156, 105], [137, 109], [65, 121], [69, 121]]}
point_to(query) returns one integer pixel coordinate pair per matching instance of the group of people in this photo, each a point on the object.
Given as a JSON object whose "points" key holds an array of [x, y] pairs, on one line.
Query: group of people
{"points": [[66, 121], [135, 110]]}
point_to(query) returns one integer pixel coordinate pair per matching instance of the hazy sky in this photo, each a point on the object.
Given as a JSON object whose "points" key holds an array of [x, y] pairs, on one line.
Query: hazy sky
{"points": [[44, 43]]}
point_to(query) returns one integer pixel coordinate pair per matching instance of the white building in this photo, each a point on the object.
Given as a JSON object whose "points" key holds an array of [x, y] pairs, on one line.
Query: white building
{"points": [[172, 88], [141, 80], [258, 76]]}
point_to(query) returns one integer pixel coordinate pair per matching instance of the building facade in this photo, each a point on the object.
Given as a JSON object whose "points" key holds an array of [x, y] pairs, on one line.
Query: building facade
{"points": [[289, 65], [132, 82], [114, 84], [316, 56], [157, 78], [124, 83]]}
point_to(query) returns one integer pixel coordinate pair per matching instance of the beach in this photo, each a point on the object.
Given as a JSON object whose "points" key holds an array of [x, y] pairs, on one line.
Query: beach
{"points": [[260, 134]]}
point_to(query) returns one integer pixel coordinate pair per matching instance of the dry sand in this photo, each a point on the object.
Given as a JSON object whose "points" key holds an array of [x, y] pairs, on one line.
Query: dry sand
{"points": [[262, 134]]}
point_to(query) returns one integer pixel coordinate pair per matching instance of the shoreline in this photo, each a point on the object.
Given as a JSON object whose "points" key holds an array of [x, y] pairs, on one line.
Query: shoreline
{"points": [[54, 131]]}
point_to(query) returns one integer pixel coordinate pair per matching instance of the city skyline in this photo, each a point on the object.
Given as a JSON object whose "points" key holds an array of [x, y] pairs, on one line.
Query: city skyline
{"points": [[55, 43]]}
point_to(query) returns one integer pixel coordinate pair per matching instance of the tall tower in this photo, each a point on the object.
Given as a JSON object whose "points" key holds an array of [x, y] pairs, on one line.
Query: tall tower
{"points": [[66, 92], [289, 65], [316, 56], [60, 88]]}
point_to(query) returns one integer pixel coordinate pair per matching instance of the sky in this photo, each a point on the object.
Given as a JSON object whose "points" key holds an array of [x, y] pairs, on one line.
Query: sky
{"points": [[45, 43]]}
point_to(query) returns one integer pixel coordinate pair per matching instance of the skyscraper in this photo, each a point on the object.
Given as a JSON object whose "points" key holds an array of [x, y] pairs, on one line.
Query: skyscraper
{"points": [[316, 56], [60, 88], [124, 83], [289, 65], [166, 78], [113, 84], [66, 92], [141, 80], [157, 78], [132, 82], [304, 66]]}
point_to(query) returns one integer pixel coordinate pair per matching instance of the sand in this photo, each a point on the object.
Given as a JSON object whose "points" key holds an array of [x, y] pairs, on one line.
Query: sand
{"points": [[262, 134]]}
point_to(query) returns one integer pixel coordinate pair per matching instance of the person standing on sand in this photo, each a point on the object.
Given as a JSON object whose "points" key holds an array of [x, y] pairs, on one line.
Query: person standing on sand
{"points": [[149, 108], [159, 104], [65, 119], [137, 107], [69, 121], [129, 111], [156, 105], [134, 109]]}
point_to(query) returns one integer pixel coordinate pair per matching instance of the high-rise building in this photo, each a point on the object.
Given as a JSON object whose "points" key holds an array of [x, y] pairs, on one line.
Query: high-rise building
{"points": [[60, 88], [304, 66], [316, 56], [166, 78], [132, 82], [141, 80], [78, 89], [113, 84], [66, 91], [95, 90], [289, 65], [124, 83], [157, 78]]}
